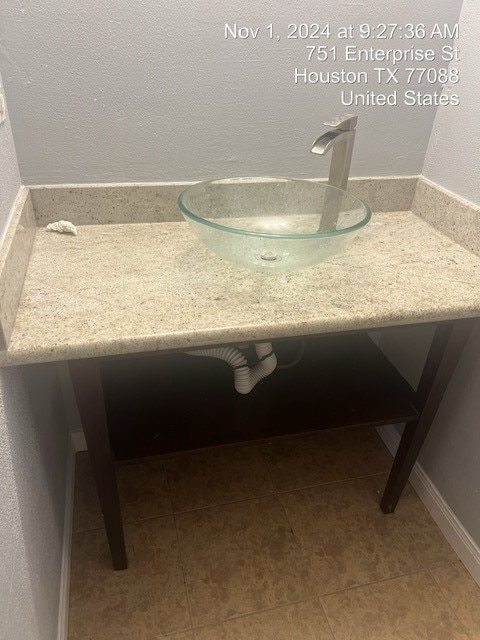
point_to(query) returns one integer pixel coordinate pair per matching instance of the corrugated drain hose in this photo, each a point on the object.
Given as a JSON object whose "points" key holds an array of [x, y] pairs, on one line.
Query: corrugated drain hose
{"points": [[244, 376]]}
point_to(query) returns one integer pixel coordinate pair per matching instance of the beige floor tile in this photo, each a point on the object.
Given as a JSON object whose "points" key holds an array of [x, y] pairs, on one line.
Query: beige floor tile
{"points": [[462, 593], [427, 542], [348, 540], [326, 456], [240, 558], [247, 556], [302, 621], [411, 608], [217, 476], [141, 603], [143, 490], [87, 514]]}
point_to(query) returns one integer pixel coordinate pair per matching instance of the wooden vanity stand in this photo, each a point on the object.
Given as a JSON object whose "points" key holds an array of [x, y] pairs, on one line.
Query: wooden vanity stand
{"points": [[392, 401]]}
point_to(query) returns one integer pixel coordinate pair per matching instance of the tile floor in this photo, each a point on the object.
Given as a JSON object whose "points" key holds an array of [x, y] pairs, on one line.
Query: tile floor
{"points": [[279, 541]]}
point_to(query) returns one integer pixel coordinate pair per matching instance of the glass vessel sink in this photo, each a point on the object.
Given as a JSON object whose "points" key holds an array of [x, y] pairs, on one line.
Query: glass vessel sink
{"points": [[273, 224]]}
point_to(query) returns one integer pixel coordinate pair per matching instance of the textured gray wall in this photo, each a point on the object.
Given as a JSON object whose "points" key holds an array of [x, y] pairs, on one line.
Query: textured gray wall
{"points": [[9, 174], [148, 90], [33, 454], [452, 159], [33, 447], [9, 533]]}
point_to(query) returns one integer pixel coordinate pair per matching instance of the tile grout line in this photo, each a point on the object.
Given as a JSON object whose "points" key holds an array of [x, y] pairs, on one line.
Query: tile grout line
{"points": [[425, 570], [311, 598], [429, 570], [225, 504], [249, 445], [374, 582], [267, 467], [254, 612], [179, 551], [275, 492], [327, 618], [301, 548], [329, 484]]}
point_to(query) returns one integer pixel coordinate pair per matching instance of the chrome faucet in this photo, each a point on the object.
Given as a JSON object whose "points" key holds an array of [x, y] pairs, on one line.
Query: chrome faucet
{"points": [[341, 140]]}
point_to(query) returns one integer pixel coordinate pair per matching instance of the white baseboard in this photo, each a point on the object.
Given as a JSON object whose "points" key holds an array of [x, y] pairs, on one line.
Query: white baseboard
{"points": [[62, 629], [78, 440], [448, 523]]}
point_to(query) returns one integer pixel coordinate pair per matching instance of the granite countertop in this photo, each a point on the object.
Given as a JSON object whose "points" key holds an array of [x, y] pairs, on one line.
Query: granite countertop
{"points": [[129, 288]]}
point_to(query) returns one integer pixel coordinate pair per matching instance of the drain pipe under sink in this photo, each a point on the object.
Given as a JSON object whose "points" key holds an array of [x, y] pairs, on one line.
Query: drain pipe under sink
{"points": [[244, 376]]}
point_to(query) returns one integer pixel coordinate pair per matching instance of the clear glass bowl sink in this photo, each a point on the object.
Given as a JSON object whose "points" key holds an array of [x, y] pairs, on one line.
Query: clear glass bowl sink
{"points": [[273, 224]]}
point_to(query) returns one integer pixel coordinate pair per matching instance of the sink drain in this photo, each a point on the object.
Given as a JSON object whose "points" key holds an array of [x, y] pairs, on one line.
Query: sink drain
{"points": [[269, 256]]}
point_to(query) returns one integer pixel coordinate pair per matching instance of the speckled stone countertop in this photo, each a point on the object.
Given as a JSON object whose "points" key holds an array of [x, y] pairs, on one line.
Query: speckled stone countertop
{"points": [[129, 288]]}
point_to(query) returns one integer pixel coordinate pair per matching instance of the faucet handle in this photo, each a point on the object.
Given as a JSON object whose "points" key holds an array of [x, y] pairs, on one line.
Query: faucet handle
{"points": [[346, 122]]}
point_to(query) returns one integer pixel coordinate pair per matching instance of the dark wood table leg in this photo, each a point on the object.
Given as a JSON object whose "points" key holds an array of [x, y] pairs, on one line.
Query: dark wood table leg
{"points": [[447, 346], [87, 384]]}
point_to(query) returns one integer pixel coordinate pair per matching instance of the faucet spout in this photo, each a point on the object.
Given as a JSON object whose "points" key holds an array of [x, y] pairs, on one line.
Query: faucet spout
{"points": [[325, 142], [340, 139]]}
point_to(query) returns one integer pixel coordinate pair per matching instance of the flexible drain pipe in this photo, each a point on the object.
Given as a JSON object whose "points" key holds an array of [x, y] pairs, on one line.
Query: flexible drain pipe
{"points": [[244, 376]]}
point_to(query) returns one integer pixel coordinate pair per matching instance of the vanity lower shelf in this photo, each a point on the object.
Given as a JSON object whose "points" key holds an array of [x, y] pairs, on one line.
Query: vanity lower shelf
{"points": [[175, 402]]}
